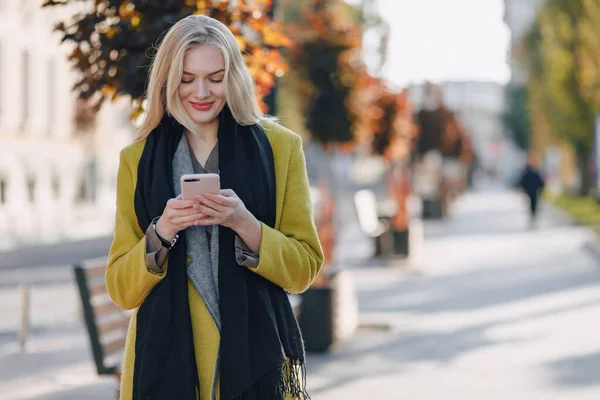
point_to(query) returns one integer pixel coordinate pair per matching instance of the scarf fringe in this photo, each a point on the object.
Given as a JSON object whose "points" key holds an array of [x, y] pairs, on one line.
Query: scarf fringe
{"points": [[287, 379]]}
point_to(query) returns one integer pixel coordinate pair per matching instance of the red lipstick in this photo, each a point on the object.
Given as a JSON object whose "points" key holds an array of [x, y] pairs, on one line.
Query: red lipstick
{"points": [[202, 106]]}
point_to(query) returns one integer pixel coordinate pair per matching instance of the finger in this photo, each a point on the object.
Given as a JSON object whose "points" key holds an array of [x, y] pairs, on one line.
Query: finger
{"points": [[174, 213], [224, 201], [194, 223], [188, 218], [219, 204], [209, 211], [207, 221], [199, 198], [228, 193], [187, 224], [180, 197], [181, 204], [203, 206], [184, 213]]}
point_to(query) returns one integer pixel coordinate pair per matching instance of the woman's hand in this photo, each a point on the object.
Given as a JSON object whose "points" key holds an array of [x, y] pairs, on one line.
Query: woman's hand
{"points": [[178, 215], [228, 210], [224, 209]]}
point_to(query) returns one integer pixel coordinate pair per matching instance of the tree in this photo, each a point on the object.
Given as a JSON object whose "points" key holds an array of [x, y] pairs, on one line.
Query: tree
{"points": [[383, 135], [516, 117], [111, 42], [328, 61], [564, 85], [433, 121], [385, 127], [385, 122]]}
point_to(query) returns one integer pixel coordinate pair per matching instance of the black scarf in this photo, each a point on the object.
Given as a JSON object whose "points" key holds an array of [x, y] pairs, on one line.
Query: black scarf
{"points": [[256, 316]]}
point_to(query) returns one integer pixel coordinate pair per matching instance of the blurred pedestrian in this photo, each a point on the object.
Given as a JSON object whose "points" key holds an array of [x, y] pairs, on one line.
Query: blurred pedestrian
{"points": [[208, 277], [532, 184]]}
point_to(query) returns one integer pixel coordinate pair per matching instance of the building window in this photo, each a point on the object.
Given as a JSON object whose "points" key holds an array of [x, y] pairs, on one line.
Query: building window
{"points": [[86, 192], [31, 188], [25, 86], [56, 186], [82, 190], [3, 191]]}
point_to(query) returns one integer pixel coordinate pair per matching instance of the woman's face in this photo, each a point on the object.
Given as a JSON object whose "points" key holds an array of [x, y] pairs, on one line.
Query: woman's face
{"points": [[202, 89]]}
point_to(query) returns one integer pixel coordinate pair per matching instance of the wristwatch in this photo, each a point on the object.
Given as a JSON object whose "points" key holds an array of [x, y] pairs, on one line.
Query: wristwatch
{"points": [[168, 244]]}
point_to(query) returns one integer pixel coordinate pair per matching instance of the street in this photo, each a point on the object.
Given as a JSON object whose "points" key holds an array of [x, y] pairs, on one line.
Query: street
{"points": [[489, 310]]}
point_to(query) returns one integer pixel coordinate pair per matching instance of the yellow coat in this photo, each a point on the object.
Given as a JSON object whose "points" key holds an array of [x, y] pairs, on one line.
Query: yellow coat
{"points": [[290, 255]]}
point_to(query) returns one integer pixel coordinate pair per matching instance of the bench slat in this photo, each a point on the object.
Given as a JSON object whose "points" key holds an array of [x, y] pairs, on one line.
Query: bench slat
{"points": [[95, 271], [114, 346], [113, 325], [106, 308], [98, 289]]}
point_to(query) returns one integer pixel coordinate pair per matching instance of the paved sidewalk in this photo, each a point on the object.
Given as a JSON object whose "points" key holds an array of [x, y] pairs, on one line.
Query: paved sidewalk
{"points": [[57, 363], [491, 310]]}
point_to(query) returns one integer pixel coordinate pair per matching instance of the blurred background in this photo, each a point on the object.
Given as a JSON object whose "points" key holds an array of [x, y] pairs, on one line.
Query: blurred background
{"points": [[429, 128]]}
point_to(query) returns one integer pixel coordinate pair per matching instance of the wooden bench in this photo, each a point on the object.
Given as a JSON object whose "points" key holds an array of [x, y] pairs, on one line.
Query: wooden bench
{"points": [[106, 323], [370, 223]]}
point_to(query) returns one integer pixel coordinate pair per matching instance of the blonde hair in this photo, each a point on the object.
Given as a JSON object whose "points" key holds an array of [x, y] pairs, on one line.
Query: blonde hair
{"points": [[167, 69]]}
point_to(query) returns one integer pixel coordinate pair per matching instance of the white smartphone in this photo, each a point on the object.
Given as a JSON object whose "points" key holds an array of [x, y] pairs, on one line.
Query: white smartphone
{"points": [[194, 184]]}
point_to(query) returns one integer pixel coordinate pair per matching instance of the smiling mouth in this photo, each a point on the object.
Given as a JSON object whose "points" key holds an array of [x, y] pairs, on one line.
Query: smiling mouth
{"points": [[201, 106]]}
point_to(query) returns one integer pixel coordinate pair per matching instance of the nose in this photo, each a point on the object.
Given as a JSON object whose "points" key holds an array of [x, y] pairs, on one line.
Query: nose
{"points": [[201, 89]]}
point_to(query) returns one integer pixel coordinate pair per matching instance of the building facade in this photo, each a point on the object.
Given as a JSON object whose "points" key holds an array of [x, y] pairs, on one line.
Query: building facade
{"points": [[519, 15], [57, 180], [479, 107]]}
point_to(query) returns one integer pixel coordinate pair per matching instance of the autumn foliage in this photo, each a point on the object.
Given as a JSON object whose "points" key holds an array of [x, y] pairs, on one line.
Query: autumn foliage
{"points": [[385, 124], [327, 60], [115, 39]]}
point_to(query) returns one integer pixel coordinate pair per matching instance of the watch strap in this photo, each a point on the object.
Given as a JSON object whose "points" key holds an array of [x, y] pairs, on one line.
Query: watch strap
{"points": [[168, 244]]}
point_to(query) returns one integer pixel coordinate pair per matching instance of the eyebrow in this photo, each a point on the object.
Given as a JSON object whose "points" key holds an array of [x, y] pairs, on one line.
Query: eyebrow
{"points": [[212, 73]]}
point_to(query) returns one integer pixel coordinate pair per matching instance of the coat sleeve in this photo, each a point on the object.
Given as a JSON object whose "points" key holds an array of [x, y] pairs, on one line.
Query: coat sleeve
{"points": [[291, 256], [128, 279]]}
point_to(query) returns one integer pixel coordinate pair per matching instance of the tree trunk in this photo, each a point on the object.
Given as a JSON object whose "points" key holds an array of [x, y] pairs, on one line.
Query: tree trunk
{"points": [[586, 179]]}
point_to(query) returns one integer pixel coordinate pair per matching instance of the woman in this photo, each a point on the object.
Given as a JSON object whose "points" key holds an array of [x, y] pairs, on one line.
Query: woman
{"points": [[207, 277]]}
